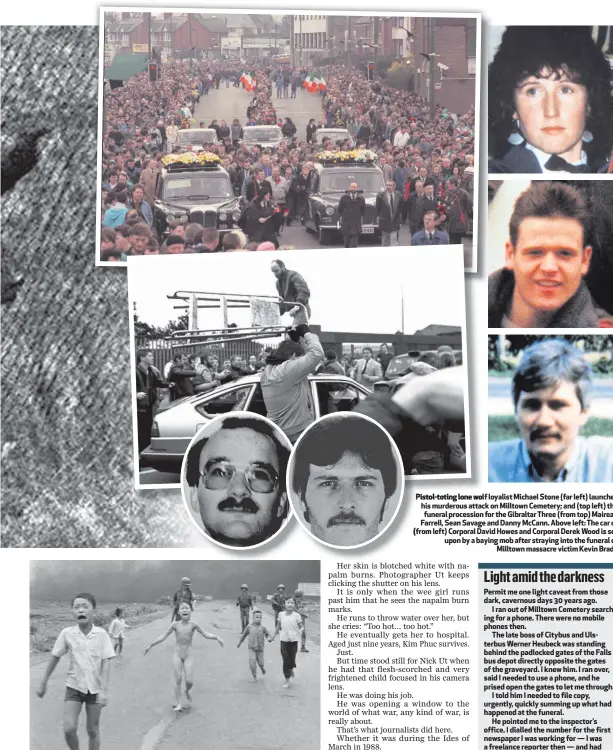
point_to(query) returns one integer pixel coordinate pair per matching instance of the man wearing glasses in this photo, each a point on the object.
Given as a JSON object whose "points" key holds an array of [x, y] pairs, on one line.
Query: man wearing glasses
{"points": [[236, 480]]}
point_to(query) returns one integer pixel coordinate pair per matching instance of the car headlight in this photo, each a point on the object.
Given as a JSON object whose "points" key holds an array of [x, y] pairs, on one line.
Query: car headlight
{"points": [[329, 210], [181, 217], [236, 215], [223, 216]]}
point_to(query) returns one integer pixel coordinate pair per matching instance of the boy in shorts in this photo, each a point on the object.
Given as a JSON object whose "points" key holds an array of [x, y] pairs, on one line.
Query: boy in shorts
{"points": [[90, 650], [182, 660], [117, 629], [257, 633]]}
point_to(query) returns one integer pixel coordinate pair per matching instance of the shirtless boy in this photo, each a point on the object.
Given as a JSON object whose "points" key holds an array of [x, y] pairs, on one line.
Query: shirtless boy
{"points": [[182, 660]]}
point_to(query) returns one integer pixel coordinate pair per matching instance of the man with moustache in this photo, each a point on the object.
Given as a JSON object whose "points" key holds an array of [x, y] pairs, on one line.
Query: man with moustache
{"points": [[236, 481], [343, 475], [552, 391]]}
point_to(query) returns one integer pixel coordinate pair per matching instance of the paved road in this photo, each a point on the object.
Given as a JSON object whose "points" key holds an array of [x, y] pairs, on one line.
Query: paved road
{"points": [[500, 399], [228, 103], [228, 711]]}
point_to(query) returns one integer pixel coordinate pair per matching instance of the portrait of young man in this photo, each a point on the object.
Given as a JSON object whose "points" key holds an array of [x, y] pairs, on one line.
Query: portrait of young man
{"points": [[547, 256], [347, 480], [234, 479], [552, 392]]}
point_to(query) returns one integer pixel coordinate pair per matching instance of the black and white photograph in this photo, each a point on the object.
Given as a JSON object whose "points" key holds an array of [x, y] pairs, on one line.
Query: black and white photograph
{"points": [[550, 100], [550, 254], [233, 480], [165, 654], [224, 130], [346, 480], [295, 336]]}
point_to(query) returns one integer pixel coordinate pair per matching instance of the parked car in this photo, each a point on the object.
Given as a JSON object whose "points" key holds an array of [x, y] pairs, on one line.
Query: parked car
{"points": [[197, 193], [174, 427]]}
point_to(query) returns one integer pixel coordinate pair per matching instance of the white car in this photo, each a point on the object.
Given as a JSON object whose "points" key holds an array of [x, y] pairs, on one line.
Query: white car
{"points": [[265, 136], [335, 135], [174, 427], [197, 137]]}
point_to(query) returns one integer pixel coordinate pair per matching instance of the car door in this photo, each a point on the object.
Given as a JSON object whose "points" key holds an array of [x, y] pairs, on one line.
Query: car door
{"points": [[331, 396], [223, 400]]}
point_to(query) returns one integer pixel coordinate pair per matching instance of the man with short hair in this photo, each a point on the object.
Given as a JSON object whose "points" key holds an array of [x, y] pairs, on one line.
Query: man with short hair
{"points": [[344, 473], [180, 375], [430, 235], [209, 241], [367, 370], [387, 213], [424, 204], [253, 187], [459, 207], [292, 289], [552, 393], [351, 210], [546, 258], [148, 380], [236, 481], [139, 239], [140, 204]]}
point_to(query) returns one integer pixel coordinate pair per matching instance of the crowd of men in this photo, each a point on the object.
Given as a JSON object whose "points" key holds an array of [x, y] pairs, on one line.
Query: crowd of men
{"points": [[427, 164]]}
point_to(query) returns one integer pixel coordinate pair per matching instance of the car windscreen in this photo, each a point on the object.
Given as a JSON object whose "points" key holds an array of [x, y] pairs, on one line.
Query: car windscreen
{"points": [[334, 135], [338, 181], [398, 365], [263, 134], [185, 186], [197, 138]]}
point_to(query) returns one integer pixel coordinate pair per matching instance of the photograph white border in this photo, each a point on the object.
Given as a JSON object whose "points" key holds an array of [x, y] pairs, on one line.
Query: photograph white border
{"points": [[275, 11]]}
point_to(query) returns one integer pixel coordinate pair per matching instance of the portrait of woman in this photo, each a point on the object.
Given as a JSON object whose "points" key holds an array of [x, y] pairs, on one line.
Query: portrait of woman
{"points": [[550, 102]]}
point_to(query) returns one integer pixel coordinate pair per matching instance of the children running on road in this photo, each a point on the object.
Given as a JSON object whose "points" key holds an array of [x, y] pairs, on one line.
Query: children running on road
{"points": [[289, 625], [182, 660], [90, 651], [117, 629], [256, 632]]}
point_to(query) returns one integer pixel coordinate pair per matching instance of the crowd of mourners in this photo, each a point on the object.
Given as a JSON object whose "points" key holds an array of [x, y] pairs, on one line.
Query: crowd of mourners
{"points": [[429, 161]]}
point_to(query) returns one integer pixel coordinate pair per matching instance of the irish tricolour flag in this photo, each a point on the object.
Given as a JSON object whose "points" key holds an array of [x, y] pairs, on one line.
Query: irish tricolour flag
{"points": [[314, 82], [248, 81]]}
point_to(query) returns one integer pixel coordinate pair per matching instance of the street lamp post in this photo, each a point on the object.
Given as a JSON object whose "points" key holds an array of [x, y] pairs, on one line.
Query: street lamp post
{"points": [[432, 68]]}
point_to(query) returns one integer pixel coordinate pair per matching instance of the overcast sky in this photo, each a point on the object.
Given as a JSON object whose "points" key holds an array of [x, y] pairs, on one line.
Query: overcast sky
{"points": [[147, 580], [351, 290]]}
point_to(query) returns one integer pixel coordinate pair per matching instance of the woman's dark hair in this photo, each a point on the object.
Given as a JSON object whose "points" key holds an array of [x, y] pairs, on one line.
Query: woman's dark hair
{"points": [[528, 51], [118, 612], [327, 441]]}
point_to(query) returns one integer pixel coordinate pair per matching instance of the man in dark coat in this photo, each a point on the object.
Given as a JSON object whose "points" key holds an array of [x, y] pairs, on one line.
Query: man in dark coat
{"points": [[258, 184], [388, 211], [180, 375], [148, 380], [351, 209], [301, 191], [257, 219], [292, 288], [459, 205]]}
